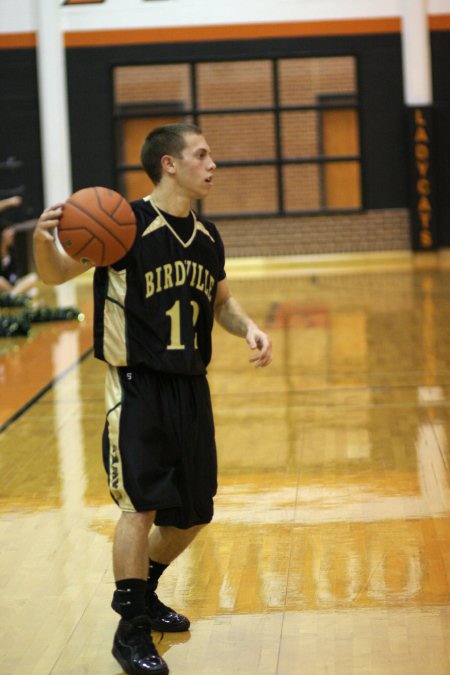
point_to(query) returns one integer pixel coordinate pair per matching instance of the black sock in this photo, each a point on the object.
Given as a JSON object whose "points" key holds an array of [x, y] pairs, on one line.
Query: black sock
{"points": [[155, 569], [129, 598]]}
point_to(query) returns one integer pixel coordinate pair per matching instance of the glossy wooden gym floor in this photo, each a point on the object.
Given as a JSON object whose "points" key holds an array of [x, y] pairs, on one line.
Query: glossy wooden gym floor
{"points": [[330, 548]]}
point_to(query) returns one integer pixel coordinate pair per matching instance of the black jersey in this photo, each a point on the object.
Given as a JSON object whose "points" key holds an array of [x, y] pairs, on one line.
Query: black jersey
{"points": [[155, 307]]}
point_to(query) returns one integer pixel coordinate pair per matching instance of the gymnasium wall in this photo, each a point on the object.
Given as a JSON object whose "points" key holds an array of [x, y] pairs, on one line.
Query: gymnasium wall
{"points": [[241, 123], [374, 41], [20, 16], [441, 136], [383, 140], [19, 129]]}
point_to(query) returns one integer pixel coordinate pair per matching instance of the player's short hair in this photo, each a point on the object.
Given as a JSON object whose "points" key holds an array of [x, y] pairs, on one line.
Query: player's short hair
{"points": [[169, 139]]}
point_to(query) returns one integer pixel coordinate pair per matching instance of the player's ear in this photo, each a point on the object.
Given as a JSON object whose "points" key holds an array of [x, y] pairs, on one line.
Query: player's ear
{"points": [[168, 164]]}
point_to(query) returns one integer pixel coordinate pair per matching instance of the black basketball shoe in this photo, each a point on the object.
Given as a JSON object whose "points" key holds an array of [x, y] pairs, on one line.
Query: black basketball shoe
{"points": [[163, 618], [134, 649]]}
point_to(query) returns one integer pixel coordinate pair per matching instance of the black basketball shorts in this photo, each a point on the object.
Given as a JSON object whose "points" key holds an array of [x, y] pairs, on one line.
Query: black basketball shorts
{"points": [[159, 447]]}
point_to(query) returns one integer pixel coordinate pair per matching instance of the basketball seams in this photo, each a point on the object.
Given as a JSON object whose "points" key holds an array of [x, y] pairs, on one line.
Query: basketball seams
{"points": [[110, 214], [98, 224], [94, 219], [85, 246], [118, 223], [100, 203]]}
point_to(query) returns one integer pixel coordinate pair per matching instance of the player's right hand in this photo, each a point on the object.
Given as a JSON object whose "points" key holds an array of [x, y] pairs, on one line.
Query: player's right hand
{"points": [[48, 221]]}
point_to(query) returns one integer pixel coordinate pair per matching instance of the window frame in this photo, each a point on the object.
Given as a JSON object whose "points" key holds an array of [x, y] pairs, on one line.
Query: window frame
{"points": [[192, 114]]}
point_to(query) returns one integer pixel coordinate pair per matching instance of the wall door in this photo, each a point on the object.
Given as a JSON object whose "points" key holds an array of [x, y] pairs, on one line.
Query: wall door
{"points": [[341, 180]]}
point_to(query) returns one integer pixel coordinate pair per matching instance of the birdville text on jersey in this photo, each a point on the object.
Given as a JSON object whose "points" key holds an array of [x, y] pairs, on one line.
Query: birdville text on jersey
{"points": [[177, 274]]}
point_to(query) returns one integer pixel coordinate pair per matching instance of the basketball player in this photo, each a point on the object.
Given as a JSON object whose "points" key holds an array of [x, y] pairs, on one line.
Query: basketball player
{"points": [[154, 313]]}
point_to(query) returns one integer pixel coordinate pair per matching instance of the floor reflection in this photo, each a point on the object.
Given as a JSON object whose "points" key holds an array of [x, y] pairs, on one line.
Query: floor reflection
{"points": [[330, 547]]}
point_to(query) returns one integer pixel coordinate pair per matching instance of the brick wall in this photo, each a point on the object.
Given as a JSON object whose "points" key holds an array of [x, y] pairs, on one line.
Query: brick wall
{"points": [[223, 86], [381, 230], [232, 137]]}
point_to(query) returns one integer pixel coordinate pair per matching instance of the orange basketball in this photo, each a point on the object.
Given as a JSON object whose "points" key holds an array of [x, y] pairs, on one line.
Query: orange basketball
{"points": [[97, 226]]}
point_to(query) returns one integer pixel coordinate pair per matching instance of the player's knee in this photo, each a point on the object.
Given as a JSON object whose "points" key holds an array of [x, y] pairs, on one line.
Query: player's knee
{"points": [[141, 520]]}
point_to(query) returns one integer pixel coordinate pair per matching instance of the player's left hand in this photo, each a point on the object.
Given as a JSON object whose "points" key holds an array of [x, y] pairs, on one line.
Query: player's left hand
{"points": [[257, 339]]}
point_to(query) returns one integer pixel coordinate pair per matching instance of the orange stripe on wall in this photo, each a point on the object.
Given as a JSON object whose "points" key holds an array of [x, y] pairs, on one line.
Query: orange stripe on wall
{"points": [[439, 22], [17, 40], [231, 32], [223, 32]]}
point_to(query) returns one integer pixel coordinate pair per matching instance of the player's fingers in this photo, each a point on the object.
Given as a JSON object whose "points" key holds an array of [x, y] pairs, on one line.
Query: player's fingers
{"points": [[51, 216], [47, 216], [265, 346], [261, 361], [48, 220], [265, 356], [47, 225], [54, 207]]}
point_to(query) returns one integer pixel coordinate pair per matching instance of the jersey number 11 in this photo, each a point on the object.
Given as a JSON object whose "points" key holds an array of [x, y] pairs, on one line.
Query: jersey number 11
{"points": [[175, 325]]}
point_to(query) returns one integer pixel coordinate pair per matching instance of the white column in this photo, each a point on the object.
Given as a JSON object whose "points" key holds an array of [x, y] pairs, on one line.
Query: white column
{"points": [[416, 51], [53, 107]]}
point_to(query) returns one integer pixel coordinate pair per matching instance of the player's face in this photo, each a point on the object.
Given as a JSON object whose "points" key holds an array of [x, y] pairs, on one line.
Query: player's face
{"points": [[195, 168]]}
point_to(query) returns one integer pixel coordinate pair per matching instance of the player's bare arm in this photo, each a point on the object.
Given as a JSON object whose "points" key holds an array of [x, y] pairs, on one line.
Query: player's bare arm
{"points": [[10, 202], [53, 265], [231, 316]]}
